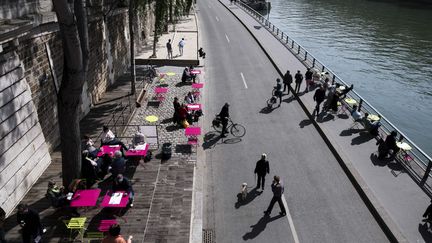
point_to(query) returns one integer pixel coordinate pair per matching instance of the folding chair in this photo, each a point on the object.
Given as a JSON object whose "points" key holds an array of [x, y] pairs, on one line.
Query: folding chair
{"points": [[76, 224]]}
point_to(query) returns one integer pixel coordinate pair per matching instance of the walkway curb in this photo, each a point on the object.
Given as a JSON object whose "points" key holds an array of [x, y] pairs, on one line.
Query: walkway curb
{"points": [[388, 226]]}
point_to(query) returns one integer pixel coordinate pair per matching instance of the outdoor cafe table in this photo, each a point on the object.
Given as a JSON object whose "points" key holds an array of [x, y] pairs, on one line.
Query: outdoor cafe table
{"points": [[85, 198], [117, 199], [108, 149], [350, 101], [194, 107], [195, 71], [193, 131], [373, 117], [138, 151], [197, 85]]}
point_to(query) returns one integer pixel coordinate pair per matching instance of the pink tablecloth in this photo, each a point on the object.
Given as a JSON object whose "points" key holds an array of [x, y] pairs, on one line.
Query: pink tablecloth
{"points": [[85, 198], [197, 85], [123, 203], [194, 107], [195, 71], [106, 224], [193, 131], [160, 90], [107, 149], [137, 152]]}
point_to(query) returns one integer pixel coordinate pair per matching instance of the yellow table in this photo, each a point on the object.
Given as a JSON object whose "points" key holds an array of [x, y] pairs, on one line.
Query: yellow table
{"points": [[78, 225], [373, 117], [152, 118], [350, 101], [342, 88], [170, 74]]}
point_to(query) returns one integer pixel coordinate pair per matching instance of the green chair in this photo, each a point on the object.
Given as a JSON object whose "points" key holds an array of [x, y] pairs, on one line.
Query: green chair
{"points": [[76, 224]]}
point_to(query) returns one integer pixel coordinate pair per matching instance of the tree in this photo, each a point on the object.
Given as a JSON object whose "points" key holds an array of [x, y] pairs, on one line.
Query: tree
{"points": [[73, 29], [161, 10]]}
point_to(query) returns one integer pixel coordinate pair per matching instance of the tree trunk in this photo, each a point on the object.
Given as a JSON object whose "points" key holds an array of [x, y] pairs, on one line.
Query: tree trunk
{"points": [[75, 49], [155, 40], [132, 43]]}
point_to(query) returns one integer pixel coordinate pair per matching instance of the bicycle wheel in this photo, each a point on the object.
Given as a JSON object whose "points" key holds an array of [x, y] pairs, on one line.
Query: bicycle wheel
{"points": [[238, 130]]}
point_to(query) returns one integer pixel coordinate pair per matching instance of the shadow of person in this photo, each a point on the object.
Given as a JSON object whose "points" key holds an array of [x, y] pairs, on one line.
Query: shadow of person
{"points": [[249, 198], [305, 122], [289, 99], [260, 226], [267, 109], [363, 137], [325, 117], [210, 139], [376, 161], [424, 230]]}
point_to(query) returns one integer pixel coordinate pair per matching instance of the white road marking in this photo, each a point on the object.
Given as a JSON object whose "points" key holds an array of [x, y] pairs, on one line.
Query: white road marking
{"points": [[244, 81], [227, 38], [217, 19], [290, 221]]}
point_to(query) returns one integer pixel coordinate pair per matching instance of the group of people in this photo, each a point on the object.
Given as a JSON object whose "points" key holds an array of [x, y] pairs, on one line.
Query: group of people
{"points": [[181, 45], [182, 115], [187, 75]]}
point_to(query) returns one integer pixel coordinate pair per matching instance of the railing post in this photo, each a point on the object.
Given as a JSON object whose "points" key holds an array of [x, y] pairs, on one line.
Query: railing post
{"points": [[334, 78], [400, 138], [306, 56], [426, 175], [323, 69], [273, 28], [282, 35], [313, 63], [292, 44], [360, 104], [298, 50], [287, 40], [277, 31]]}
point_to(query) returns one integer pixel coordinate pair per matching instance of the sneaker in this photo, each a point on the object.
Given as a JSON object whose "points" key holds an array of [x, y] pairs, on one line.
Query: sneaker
{"points": [[282, 214]]}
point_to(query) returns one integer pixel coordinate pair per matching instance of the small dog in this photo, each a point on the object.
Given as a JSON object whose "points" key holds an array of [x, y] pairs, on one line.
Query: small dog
{"points": [[244, 191]]}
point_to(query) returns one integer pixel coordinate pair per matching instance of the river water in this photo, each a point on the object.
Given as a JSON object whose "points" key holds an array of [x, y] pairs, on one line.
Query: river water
{"points": [[383, 48]]}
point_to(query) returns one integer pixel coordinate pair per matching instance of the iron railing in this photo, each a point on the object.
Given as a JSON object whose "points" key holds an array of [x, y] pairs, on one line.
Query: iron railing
{"points": [[417, 161]]}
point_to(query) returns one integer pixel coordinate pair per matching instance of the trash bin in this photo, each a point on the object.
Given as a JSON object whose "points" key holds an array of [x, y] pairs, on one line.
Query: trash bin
{"points": [[166, 151]]}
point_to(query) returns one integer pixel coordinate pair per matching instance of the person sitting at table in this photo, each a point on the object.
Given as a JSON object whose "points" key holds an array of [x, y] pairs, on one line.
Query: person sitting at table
{"points": [[183, 114], [388, 147], [138, 138], [201, 53], [56, 195], [104, 163], [121, 183], [108, 138], [371, 126], [118, 165], [90, 169], [192, 76], [356, 115], [186, 75], [114, 235], [88, 144], [176, 104], [190, 99]]}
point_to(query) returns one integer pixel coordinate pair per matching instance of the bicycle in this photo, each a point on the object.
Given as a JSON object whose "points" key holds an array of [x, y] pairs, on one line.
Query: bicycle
{"points": [[237, 130], [273, 99]]}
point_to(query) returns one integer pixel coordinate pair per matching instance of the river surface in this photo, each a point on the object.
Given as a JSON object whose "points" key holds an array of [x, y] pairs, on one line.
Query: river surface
{"points": [[383, 48]]}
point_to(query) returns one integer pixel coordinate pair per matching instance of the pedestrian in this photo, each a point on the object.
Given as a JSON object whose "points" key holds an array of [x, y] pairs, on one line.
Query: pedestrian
{"points": [[287, 81], [29, 220], [201, 53], [319, 97], [169, 49], [181, 44], [261, 169], [298, 80], [278, 190], [308, 77], [428, 213], [278, 91], [2, 221], [114, 235]]}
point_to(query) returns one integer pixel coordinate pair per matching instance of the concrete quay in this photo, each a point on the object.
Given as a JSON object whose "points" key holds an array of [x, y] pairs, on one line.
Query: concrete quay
{"points": [[392, 196]]}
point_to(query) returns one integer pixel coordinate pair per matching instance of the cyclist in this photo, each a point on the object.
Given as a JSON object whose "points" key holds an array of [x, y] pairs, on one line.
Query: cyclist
{"points": [[278, 90], [224, 115]]}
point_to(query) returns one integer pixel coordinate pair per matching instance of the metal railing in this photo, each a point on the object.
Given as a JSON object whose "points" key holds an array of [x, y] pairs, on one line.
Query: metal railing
{"points": [[422, 161]]}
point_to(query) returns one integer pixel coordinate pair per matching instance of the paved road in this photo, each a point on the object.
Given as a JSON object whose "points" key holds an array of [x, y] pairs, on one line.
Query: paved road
{"points": [[323, 204]]}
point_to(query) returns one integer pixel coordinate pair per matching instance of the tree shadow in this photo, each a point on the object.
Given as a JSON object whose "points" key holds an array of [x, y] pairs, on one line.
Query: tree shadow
{"points": [[249, 198], [210, 139], [260, 226], [305, 122], [362, 138]]}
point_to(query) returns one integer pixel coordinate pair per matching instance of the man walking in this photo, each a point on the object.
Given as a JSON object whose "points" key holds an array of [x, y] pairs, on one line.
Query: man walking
{"points": [[298, 80], [169, 49], [287, 81], [278, 190], [261, 169], [308, 77], [29, 220], [319, 97], [181, 45]]}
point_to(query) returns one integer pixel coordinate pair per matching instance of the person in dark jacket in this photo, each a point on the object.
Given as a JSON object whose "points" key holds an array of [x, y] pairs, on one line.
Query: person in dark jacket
{"points": [[118, 165], [319, 97], [278, 190], [308, 78], [29, 220], [224, 115], [176, 104], [287, 81], [261, 169], [2, 221], [428, 213], [278, 92], [388, 146], [121, 183], [298, 80]]}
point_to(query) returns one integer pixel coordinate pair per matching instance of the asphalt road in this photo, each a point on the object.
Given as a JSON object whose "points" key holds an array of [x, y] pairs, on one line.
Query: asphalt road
{"points": [[323, 204]]}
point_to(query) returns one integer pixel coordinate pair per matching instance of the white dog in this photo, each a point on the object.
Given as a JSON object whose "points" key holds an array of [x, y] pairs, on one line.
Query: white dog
{"points": [[244, 191]]}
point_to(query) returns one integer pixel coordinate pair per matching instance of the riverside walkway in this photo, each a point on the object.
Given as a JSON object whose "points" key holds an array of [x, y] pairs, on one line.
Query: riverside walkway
{"points": [[398, 201]]}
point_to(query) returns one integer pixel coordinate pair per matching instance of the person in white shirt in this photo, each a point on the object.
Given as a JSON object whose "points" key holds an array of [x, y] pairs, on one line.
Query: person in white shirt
{"points": [[108, 138], [190, 99], [181, 45], [356, 115]]}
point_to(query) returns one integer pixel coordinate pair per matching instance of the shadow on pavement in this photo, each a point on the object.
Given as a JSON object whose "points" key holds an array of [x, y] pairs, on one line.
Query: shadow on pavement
{"points": [[323, 117], [260, 226], [210, 139], [305, 122], [289, 99], [249, 198], [267, 110], [425, 232], [231, 140], [363, 137]]}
